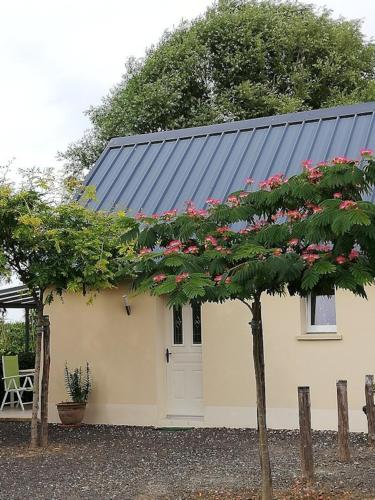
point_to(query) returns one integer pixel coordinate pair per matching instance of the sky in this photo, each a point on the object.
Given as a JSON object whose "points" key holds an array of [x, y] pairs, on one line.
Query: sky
{"points": [[57, 58]]}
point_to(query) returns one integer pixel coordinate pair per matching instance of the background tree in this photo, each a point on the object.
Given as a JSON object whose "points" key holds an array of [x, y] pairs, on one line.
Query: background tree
{"points": [[54, 248], [309, 234], [241, 59]]}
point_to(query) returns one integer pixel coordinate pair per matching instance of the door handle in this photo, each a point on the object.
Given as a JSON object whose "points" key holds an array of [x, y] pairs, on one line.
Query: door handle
{"points": [[168, 354]]}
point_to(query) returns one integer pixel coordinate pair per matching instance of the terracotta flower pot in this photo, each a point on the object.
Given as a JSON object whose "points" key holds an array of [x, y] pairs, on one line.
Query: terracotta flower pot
{"points": [[71, 413]]}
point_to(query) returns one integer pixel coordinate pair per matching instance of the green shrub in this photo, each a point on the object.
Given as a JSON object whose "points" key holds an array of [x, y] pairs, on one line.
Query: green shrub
{"points": [[12, 338]]}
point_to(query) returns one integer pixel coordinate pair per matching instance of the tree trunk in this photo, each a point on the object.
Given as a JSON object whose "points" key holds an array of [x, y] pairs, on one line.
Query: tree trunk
{"points": [[258, 356], [36, 391], [45, 383]]}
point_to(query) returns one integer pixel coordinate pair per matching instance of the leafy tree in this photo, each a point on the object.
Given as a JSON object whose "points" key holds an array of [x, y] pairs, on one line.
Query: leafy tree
{"points": [[241, 59], [307, 234], [55, 248]]}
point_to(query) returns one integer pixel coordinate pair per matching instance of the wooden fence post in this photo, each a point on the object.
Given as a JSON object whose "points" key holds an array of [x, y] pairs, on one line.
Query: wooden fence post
{"points": [[45, 383], [343, 421], [370, 410], [305, 433]]}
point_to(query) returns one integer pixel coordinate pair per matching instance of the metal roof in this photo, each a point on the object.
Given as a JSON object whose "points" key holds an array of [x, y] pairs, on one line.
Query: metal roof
{"points": [[160, 171], [17, 297]]}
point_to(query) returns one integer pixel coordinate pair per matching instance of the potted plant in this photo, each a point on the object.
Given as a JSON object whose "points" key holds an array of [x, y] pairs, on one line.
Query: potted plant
{"points": [[78, 386]]}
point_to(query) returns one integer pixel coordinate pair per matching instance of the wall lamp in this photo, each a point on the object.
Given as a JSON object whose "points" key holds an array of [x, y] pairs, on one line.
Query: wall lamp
{"points": [[127, 305]]}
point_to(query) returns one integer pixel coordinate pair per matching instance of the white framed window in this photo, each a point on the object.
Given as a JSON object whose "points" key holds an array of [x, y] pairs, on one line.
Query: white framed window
{"points": [[321, 313]]}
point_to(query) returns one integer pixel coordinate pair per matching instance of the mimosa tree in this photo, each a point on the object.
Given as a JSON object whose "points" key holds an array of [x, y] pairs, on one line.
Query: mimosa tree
{"points": [[311, 233]]}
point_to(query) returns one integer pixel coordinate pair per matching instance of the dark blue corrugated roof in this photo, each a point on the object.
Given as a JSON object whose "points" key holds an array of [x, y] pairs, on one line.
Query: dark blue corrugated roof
{"points": [[160, 171]]}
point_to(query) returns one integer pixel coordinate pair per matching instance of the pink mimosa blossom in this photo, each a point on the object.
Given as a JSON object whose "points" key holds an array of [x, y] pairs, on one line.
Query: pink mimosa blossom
{"points": [[168, 214], [348, 204], [182, 277], [340, 259], [233, 200], [249, 181], [243, 194], [294, 214], [211, 240], [213, 201], [366, 152], [337, 195], [354, 254], [293, 242], [159, 277], [338, 160], [191, 249], [307, 163], [223, 229], [310, 258], [140, 215], [145, 251]]}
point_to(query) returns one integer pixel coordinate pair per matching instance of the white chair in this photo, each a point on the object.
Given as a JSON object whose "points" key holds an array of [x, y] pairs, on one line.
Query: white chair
{"points": [[12, 377]]}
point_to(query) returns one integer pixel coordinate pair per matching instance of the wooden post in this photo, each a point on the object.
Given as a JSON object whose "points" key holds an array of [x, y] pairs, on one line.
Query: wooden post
{"points": [[45, 383], [35, 410], [305, 433], [370, 410], [343, 421], [27, 329]]}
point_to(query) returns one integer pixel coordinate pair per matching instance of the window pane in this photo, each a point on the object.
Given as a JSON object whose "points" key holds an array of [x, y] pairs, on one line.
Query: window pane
{"points": [[197, 326], [323, 310], [177, 325]]}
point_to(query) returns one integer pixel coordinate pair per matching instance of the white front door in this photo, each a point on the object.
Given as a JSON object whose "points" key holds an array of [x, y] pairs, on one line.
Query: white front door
{"points": [[184, 362]]}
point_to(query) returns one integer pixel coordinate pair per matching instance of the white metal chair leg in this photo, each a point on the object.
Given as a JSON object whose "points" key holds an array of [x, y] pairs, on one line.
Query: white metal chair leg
{"points": [[4, 399], [20, 401]]}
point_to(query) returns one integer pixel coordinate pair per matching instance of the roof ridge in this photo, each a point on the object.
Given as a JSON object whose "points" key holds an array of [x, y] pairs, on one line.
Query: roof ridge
{"points": [[252, 123]]}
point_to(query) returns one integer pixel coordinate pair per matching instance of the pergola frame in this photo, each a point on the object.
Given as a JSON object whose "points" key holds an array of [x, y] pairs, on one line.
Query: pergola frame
{"points": [[19, 297]]}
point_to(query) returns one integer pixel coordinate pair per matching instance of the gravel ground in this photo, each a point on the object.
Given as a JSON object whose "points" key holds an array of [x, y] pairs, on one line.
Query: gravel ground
{"points": [[110, 462]]}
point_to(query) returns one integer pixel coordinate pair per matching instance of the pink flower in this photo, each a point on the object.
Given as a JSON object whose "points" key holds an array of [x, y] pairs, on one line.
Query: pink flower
{"points": [[273, 182], [169, 251], [294, 214], [159, 277], [354, 254], [140, 215], [223, 229], [211, 240], [322, 164], [310, 258], [293, 242], [347, 204], [182, 277], [155, 216], [249, 181], [168, 214], [337, 195], [192, 249], [213, 201], [314, 174], [338, 160], [277, 215], [219, 278], [174, 244], [316, 209], [366, 152], [307, 163], [340, 259], [144, 251], [233, 200], [243, 194]]}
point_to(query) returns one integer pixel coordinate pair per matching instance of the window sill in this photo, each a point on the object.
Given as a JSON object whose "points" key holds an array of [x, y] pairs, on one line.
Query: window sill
{"points": [[319, 336]]}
